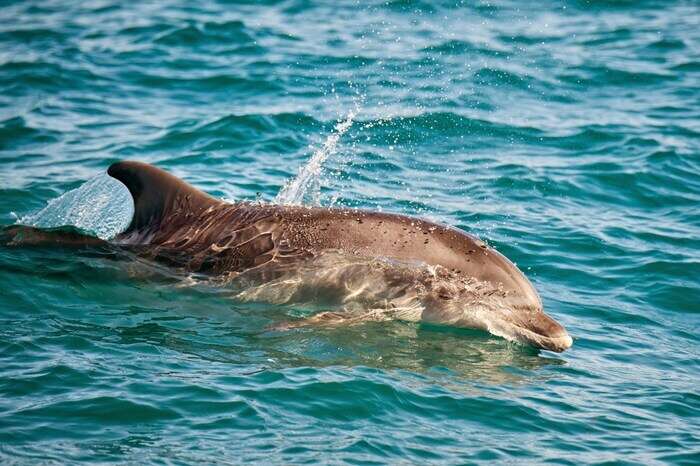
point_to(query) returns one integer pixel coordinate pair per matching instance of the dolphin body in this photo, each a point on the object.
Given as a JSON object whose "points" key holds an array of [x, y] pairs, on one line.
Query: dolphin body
{"points": [[375, 266]]}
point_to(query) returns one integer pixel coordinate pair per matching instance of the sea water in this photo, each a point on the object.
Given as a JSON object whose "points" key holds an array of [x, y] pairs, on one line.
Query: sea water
{"points": [[566, 134]]}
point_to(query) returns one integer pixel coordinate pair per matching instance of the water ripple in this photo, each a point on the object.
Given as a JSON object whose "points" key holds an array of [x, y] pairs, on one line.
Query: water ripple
{"points": [[566, 135]]}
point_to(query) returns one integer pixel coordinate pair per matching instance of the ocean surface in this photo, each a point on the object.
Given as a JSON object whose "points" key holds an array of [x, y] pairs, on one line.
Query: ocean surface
{"points": [[566, 134]]}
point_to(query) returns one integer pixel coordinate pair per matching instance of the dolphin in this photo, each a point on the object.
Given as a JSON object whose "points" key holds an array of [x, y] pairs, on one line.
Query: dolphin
{"points": [[371, 265]]}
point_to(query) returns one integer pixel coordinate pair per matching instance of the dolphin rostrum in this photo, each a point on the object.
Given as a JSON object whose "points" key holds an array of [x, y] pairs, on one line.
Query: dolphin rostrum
{"points": [[370, 265]]}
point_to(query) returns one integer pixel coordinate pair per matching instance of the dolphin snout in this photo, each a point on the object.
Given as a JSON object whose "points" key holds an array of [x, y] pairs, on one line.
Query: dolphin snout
{"points": [[546, 333]]}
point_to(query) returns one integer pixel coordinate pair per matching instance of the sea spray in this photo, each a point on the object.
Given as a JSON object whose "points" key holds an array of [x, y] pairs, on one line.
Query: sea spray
{"points": [[102, 206], [305, 187]]}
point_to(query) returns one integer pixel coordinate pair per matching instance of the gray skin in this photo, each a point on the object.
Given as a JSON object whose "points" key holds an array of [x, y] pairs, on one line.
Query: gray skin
{"points": [[176, 224]]}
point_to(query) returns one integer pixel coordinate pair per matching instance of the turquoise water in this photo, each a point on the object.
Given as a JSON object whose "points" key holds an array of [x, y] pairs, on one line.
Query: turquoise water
{"points": [[565, 134]]}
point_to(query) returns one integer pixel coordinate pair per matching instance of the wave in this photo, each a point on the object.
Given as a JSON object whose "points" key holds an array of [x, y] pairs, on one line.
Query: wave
{"points": [[207, 34]]}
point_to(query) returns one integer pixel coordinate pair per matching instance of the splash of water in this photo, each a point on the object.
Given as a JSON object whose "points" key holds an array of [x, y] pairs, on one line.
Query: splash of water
{"points": [[305, 187], [102, 206]]}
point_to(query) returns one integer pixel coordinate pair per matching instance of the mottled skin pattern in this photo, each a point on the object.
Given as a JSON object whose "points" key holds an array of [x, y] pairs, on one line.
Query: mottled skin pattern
{"points": [[204, 234], [176, 224]]}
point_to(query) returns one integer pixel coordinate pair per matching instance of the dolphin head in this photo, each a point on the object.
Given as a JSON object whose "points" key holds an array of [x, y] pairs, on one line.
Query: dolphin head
{"points": [[520, 314], [497, 298]]}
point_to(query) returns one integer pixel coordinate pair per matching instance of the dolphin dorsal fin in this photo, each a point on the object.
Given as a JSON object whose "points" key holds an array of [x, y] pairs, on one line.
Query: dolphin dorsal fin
{"points": [[158, 195]]}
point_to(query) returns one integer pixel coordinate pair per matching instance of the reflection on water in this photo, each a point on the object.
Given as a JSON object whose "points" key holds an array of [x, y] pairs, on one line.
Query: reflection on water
{"points": [[464, 354]]}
